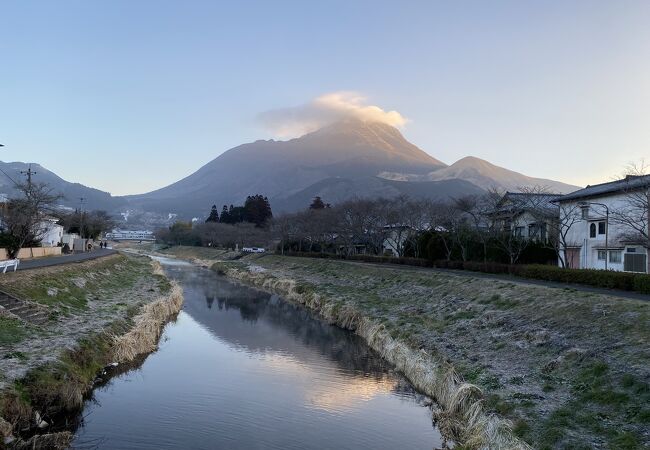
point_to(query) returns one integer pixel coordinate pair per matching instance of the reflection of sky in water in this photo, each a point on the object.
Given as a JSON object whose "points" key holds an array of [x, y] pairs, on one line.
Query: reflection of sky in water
{"points": [[242, 369]]}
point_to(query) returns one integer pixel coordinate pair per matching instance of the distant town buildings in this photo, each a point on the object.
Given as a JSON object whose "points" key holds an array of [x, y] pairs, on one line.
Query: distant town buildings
{"points": [[130, 235]]}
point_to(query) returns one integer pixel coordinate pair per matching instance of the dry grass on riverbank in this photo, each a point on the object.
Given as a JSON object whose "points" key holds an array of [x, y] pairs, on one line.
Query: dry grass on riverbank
{"points": [[148, 325], [570, 369], [54, 366]]}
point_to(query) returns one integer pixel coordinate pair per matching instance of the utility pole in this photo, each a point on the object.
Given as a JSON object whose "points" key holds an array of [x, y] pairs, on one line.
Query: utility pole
{"points": [[29, 172], [81, 217]]}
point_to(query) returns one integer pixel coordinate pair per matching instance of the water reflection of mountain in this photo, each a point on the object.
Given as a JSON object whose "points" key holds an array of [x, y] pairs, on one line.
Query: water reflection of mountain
{"points": [[259, 322]]}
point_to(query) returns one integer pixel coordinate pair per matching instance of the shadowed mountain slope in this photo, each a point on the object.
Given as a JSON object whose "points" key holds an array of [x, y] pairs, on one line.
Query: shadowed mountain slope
{"points": [[72, 192]]}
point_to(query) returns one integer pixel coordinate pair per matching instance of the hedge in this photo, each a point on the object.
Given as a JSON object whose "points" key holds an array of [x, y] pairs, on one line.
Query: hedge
{"points": [[598, 278]]}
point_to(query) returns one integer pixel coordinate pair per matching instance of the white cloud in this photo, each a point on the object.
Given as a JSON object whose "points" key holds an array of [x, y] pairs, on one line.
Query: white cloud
{"points": [[325, 110]]}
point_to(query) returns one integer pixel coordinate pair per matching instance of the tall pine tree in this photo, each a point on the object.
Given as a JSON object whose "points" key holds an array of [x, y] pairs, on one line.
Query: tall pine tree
{"points": [[257, 210], [225, 217], [214, 215]]}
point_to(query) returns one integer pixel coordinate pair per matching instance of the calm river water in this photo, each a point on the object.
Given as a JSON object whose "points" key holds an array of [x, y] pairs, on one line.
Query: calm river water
{"points": [[242, 369]]}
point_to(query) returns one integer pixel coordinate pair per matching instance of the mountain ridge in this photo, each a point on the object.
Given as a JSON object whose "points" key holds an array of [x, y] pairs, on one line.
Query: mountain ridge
{"points": [[485, 175], [347, 159]]}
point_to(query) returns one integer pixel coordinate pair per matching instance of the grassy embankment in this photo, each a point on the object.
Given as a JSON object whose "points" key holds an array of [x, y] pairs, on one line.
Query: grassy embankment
{"points": [[102, 311], [568, 369]]}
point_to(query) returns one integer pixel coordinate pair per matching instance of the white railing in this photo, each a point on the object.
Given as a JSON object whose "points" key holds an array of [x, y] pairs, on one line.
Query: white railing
{"points": [[4, 265]]}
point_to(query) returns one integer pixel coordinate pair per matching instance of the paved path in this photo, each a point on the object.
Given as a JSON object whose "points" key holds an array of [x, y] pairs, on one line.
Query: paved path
{"points": [[513, 279], [64, 259]]}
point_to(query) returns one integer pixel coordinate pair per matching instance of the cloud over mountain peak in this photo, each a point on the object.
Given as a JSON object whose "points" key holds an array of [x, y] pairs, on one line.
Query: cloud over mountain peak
{"points": [[325, 110]]}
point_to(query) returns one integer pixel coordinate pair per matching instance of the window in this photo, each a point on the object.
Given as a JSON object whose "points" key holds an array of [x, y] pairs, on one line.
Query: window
{"points": [[602, 255], [635, 262], [631, 249], [519, 231], [601, 227], [592, 230], [585, 212], [615, 256]]}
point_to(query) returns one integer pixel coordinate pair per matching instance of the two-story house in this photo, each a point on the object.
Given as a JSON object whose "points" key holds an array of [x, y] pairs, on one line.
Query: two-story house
{"points": [[607, 227], [526, 215]]}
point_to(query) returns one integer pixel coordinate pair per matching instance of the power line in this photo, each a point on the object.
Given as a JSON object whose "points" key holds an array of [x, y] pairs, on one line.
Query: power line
{"points": [[5, 173]]}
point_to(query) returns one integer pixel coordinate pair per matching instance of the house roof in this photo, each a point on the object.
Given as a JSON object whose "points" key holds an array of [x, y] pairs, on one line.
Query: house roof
{"points": [[525, 201], [630, 182], [532, 200]]}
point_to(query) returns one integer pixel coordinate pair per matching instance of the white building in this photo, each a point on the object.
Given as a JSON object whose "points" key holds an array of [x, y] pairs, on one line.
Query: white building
{"points": [[607, 225], [130, 235], [50, 233], [395, 239]]}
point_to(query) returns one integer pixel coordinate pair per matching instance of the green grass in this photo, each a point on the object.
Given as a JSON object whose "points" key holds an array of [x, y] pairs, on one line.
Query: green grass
{"points": [[12, 331], [511, 340], [66, 287]]}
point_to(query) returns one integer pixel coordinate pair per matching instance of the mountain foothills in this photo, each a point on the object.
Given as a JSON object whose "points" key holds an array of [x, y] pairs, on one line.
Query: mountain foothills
{"points": [[72, 192], [348, 159]]}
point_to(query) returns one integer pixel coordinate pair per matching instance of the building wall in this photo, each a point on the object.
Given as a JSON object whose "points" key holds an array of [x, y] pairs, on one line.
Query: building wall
{"points": [[35, 252], [579, 234], [51, 234], [394, 242]]}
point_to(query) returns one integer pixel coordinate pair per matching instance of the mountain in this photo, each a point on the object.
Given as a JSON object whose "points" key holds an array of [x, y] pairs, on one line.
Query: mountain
{"points": [[279, 169], [348, 159], [337, 190], [484, 175], [71, 192]]}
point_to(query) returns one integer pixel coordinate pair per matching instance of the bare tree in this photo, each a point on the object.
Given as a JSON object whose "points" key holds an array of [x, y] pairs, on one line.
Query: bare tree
{"points": [[506, 217], [633, 214], [477, 211], [23, 217], [557, 218], [446, 221]]}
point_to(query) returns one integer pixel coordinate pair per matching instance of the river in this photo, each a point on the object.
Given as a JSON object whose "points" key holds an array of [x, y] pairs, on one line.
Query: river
{"points": [[243, 369]]}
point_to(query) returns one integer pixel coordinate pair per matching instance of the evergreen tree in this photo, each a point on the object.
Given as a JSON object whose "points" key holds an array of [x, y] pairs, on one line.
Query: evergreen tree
{"points": [[225, 218], [317, 203], [238, 214], [214, 215], [257, 210]]}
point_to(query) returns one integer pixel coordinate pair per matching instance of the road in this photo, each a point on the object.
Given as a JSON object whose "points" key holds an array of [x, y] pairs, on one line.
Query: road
{"points": [[27, 264], [513, 279]]}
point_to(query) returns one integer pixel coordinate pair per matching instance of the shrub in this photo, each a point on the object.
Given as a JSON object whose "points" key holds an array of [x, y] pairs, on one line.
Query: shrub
{"points": [[642, 284]]}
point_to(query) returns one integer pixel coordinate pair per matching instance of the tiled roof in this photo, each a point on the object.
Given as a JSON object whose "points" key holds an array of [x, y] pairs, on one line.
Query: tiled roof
{"points": [[628, 183], [533, 200]]}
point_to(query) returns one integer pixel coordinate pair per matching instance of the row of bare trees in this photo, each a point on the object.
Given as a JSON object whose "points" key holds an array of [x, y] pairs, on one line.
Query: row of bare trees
{"points": [[508, 224], [25, 217], [399, 223]]}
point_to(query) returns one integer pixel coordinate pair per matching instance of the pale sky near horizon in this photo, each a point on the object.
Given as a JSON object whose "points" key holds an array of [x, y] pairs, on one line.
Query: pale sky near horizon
{"points": [[131, 96]]}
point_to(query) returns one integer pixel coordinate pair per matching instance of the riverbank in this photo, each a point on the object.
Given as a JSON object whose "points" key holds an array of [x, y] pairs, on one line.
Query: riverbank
{"points": [[91, 315], [567, 369]]}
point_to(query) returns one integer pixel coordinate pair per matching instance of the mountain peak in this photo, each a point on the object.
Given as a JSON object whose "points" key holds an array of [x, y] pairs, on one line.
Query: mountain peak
{"points": [[355, 138], [487, 175]]}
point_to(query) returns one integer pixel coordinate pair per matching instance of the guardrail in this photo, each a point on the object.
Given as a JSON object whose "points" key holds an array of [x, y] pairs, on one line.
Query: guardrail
{"points": [[4, 265]]}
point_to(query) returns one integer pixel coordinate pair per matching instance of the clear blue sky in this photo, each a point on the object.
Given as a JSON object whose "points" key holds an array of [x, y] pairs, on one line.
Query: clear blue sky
{"points": [[128, 96]]}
